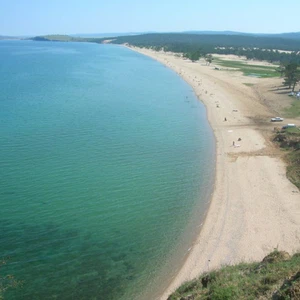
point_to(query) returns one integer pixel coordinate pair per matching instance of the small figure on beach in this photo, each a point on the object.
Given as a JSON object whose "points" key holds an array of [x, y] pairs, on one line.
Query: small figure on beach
{"points": [[225, 119], [239, 139], [233, 143]]}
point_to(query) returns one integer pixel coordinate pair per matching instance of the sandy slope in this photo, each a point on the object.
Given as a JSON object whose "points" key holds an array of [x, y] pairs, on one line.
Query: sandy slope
{"points": [[254, 207]]}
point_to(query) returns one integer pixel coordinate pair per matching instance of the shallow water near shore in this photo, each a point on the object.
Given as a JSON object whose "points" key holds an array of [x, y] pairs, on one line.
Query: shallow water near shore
{"points": [[106, 159]]}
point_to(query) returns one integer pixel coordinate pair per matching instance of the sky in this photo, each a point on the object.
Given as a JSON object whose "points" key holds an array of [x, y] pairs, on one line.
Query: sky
{"points": [[39, 17]]}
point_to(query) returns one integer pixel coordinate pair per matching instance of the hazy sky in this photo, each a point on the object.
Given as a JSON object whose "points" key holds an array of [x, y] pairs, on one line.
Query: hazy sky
{"points": [[34, 17]]}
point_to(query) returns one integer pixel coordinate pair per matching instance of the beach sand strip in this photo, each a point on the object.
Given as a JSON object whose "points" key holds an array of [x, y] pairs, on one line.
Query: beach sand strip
{"points": [[254, 207]]}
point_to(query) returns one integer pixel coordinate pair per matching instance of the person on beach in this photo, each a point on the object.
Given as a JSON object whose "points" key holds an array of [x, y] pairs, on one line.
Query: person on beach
{"points": [[225, 119], [233, 143]]}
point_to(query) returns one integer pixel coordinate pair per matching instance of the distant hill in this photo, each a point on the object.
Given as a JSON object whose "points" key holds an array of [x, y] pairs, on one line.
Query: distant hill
{"points": [[288, 35], [5, 37], [57, 38], [206, 42], [280, 48], [291, 35], [283, 41], [103, 35], [272, 48], [176, 40], [217, 32]]}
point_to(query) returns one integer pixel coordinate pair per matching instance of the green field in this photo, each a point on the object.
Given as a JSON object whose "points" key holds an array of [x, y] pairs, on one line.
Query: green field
{"points": [[294, 110], [248, 70]]}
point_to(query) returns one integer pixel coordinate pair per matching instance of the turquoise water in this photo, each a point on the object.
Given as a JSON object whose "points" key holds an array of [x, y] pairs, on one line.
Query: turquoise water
{"points": [[106, 158]]}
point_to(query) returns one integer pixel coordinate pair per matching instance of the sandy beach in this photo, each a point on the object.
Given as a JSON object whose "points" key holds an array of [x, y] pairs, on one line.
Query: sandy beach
{"points": [[254, 207]]}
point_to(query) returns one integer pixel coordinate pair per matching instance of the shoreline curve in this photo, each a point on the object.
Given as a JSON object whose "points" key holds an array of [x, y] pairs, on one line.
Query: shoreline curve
{"points": [[254, 207]]}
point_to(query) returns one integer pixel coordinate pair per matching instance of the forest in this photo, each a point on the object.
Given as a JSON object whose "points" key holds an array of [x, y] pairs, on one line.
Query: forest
{"points": [[280, 48], [270, 48]]}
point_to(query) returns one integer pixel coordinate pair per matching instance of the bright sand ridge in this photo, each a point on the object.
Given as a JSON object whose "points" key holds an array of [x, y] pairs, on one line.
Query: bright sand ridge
{"points": [[254, 207]]}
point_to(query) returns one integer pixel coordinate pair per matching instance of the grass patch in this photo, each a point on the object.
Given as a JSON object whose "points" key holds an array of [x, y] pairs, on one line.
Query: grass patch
{"points": [[289, 140], [294, 110], [249, 70], [249, 84], [275, 276], [293, 168]]}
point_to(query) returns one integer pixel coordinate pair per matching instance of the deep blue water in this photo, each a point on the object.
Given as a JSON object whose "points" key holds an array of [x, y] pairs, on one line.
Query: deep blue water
{"points": [[106, 163]]}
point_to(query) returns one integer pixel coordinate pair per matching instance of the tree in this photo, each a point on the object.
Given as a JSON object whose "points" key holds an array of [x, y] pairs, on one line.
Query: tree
{"points": [[208, 58], [291, 75], [281, 69], [193, 56]]}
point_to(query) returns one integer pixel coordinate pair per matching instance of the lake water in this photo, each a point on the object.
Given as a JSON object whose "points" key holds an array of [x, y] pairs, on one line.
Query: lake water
{"points": [[106, 163]]}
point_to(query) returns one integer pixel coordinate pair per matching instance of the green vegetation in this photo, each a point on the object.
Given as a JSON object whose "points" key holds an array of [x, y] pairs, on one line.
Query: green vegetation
{"points": [[276, 277], [194, 46], [293, 168], [208, 59], [253, 47], [218, 40], [57, 38], [289, 139], [294, 110], [194, 55], [248, 69], [291, 75]]}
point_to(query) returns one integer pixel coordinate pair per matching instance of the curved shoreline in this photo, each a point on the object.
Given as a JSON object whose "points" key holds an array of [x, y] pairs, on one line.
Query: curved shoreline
{"points": [[254, 207]]}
